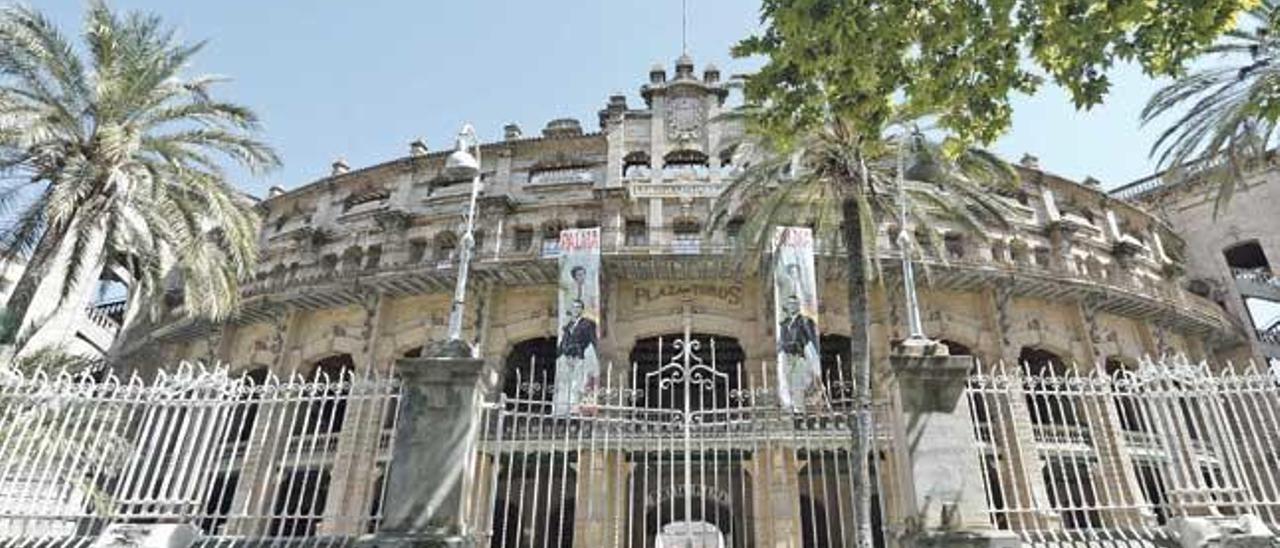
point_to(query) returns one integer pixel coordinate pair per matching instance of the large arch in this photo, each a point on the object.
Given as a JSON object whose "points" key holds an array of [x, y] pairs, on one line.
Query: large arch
{"points": [[326, 413], [529, 367], [724, 354]]}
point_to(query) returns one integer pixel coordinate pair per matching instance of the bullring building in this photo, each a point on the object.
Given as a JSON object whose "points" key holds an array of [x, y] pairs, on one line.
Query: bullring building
{"points": [[1085, 389]]}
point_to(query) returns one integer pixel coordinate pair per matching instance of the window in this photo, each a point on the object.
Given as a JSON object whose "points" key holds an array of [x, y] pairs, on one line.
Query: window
{"points": [[687, 237], [523, 239], [299, 503], [446, 244], [733, 230], [637, 233], [1043, 257], [1048, 403], [551, 240], [1246, 256], [373, 258], [324, 414], [351, 259], [218, 505], [1128, 409], [417, 250], [954, 244]]}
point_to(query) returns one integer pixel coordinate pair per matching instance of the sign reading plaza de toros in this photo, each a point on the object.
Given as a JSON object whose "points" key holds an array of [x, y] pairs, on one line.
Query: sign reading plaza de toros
{"points": [[709, 295]]}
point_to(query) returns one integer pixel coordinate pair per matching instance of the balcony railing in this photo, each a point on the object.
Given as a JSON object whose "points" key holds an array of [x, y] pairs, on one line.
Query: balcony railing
{"points": [[1256, 275], [1141, 278], [1269, 336]]}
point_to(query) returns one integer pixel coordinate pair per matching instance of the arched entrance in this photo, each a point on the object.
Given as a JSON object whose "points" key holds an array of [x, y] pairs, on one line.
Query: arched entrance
{"points": [[711, 512], [658, 390]]}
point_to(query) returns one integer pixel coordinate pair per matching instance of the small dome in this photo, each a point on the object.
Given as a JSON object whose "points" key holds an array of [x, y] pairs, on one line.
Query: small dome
{"points": [[684, 61], [657, 67], [562, 127]]}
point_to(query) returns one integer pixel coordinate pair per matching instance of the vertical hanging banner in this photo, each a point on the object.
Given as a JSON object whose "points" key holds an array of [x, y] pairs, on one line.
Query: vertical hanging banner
{"points": [[577, 362], [795, 302]]}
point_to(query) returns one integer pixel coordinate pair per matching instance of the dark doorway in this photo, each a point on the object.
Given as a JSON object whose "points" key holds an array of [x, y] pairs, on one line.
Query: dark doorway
{"points": [[530, 369], [1246, 256], [652, 359]]}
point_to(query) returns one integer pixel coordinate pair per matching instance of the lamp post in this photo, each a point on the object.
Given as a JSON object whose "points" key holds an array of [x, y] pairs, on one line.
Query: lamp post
{"points": [[462, 164], [915, 327]]}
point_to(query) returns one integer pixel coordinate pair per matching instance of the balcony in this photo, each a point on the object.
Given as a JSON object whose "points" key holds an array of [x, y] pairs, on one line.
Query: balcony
{"points": [[1135, 290], [556, 177]]}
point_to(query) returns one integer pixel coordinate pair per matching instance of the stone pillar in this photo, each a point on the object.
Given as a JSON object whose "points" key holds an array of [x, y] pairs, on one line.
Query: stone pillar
{"points": [[601, 498], [775, 496], [949, 502], [430, 477]]}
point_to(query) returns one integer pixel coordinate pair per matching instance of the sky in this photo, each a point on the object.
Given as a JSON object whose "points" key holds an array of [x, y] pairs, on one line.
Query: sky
{"points": [[360, 80]]}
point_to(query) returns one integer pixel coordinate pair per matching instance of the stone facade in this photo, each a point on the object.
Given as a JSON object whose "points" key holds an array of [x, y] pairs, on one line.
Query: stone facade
{"points": [[360, 264], [1244, 231]]}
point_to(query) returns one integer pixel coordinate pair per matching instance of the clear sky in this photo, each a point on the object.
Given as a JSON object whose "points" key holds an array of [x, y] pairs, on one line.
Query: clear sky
{"points": [[360, 80]]}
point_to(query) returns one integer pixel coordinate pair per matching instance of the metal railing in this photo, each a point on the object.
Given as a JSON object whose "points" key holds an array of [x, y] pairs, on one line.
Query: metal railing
{"points": [[686, 449], [238, 458], [1256, 275], [1131, 450]]}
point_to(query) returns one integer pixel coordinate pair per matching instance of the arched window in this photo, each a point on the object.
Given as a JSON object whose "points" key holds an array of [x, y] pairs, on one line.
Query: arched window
{"points": [[685, 162], [636, 164], [1246, 256], [551, 238], [417, 251], [1128, 409], [1048, 398], [246, 413], [953, 242], [351, 259], [837, 371], [446, 243], [686, 236], [530, 370], [324, 412]]}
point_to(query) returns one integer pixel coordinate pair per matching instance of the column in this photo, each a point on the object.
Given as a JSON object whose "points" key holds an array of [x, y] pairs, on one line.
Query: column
{"points": [[431, 478], [775, 497], [601, 498], [945, 492]]}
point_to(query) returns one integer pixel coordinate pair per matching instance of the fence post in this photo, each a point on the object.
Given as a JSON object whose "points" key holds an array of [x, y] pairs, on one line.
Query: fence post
{"points": [[945, 499], [435, 438]]}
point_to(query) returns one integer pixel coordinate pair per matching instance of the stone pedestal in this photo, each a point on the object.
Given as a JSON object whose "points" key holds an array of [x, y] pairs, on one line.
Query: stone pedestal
{"points": [[949, 503], [1244, 531], [147, 535], [429, 479]]}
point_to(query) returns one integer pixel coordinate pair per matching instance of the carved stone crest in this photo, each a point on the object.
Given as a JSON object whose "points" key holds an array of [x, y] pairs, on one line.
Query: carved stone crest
{"points": [[685, 118]]}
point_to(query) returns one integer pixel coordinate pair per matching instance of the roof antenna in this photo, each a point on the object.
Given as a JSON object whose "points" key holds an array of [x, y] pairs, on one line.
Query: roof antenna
{"points": [[684, 27]]}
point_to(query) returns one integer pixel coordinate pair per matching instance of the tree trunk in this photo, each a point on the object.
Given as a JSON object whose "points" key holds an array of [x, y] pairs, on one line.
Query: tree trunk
{"points": [[50, 319], [860, 359], [36, 270]]}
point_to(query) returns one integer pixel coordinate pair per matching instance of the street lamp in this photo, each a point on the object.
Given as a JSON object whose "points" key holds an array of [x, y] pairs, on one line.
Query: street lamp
{"points": [[915, 327], [459, 165]]}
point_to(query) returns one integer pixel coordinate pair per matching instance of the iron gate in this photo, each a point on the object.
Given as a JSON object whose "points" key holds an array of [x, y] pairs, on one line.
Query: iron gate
{"points": [[684, 451]]}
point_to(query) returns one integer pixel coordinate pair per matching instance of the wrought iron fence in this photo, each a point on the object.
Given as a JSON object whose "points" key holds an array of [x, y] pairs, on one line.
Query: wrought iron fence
{"points": [[688, 450], [248, 457], [1118, 454]]}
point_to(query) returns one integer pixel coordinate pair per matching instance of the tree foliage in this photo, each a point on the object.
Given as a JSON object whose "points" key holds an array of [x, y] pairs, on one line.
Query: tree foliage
{"points": [[1232, 108], [114, 139], [867, 61]]}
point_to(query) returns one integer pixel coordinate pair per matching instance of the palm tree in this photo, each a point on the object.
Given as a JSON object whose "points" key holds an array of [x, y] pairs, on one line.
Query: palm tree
{"points": [[843, 182], [112, 164], [1232, 109]]}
